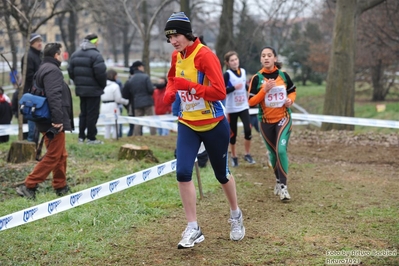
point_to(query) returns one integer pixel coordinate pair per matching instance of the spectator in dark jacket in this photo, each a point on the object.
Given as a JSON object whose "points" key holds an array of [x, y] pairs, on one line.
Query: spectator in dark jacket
{"points": [[33, 62], [88, 71], [59, 98], [139, 89], [129, 107]]}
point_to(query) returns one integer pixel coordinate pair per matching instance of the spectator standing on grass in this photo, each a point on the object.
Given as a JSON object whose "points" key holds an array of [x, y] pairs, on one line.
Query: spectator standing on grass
{"points": [[110, 100], [196, 78], [275, 92], [33, 62], [59, 98], [130, 106], [160, 107], [139, 89], [5, 113], [88, 71], [237, 105]]}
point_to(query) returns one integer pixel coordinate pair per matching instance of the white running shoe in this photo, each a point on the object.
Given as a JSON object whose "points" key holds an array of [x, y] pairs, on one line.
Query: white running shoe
{"points": [[190, 236], [237, 230], [277, 189], [284, 193]]}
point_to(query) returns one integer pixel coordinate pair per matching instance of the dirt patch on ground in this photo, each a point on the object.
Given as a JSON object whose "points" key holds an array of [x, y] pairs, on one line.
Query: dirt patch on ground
{"points": [[344, 190]]}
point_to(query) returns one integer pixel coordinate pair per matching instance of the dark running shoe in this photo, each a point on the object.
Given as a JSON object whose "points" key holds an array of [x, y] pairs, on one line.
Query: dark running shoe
{"points": [[249, 159], [62, 191], [234, 161], [28, 193]]}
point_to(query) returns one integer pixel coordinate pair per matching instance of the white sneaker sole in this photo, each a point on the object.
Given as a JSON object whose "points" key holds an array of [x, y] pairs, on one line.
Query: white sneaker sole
{"points": [[285, 197], [198, 240], [243, 234]]}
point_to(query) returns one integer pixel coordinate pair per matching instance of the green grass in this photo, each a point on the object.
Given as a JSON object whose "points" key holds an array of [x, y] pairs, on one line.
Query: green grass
{"points": [[109, 227], [102, 220]]}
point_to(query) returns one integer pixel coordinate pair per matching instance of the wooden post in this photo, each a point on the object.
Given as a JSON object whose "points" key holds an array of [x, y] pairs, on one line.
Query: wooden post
{"points": [[199, 180]]}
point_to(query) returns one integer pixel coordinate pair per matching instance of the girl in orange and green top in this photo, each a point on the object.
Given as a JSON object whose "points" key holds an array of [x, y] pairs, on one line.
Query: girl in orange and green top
{"points": [[274, 91]]}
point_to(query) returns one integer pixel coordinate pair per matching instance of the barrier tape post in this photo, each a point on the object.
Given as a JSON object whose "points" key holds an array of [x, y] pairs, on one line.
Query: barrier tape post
{"points": [[199, 180]]}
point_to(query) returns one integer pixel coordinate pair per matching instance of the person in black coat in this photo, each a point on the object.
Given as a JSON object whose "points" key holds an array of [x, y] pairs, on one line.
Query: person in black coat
{"points": [[87, 69], [59, 98], [33, 62], [139, 89]]}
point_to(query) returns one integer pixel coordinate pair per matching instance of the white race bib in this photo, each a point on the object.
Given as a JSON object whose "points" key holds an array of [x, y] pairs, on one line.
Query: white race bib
{"points": [[191, 103], [240, 97], [276, 97]]}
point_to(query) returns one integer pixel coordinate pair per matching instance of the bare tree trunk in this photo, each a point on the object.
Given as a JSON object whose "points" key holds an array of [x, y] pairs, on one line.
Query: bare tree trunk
{"points": [[340, 91], [126, 47], [146, 39], [23, 75], [376, 76], [144, 26], [10, 34], [224, 41], [146, 54], [72, 29], [185, 7], [68, 35]]}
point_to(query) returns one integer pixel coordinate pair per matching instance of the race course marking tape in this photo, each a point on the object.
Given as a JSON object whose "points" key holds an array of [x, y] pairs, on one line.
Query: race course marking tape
{"points": [[347, 120], [169, 121], [79, 198]]}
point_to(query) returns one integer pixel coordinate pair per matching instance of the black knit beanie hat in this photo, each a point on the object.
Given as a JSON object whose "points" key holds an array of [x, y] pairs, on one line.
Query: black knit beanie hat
{"points": [[178, 23]]}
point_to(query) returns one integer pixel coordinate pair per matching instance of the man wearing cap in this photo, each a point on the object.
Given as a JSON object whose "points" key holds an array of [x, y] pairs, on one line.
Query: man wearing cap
{"points": [[50, 78], [195, 78], [87, 69], [139, 89], [33, 62]]}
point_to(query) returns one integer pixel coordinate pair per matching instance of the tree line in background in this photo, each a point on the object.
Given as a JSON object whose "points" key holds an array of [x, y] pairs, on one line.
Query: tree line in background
{"points": [[339, 41]]}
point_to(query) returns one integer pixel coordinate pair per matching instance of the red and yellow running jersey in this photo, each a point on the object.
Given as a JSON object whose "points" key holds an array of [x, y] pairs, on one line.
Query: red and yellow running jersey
{"points": [[199, 65]]}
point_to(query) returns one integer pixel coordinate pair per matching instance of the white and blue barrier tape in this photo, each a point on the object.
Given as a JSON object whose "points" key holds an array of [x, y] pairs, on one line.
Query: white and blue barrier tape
{"points": [[168, 121], [85, 196], [347, 120]]}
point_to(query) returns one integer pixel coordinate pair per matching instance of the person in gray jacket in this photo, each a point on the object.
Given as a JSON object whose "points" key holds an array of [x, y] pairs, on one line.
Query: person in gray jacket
{"points": [[139, 89], [59, 98], [87, 69]]}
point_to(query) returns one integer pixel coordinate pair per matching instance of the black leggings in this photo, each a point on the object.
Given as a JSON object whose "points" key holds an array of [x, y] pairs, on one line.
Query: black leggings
{"points": [[233, 119]]}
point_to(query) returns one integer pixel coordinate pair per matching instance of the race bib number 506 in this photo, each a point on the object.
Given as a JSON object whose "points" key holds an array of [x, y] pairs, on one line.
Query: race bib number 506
{"points": [[191, 102]]}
